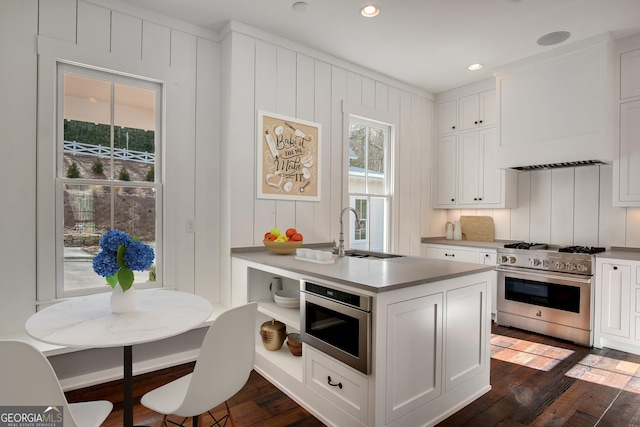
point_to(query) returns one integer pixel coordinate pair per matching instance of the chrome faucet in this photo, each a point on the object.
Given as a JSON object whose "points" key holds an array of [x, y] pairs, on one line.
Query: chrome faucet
{"points": [[358, 228]]}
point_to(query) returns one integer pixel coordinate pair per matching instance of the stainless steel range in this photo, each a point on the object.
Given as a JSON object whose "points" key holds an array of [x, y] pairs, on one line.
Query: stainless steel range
{"points": [[547, 289]]}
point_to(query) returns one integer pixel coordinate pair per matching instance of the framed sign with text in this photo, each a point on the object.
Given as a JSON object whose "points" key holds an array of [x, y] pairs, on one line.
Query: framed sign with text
{"points": [[288, 159]]}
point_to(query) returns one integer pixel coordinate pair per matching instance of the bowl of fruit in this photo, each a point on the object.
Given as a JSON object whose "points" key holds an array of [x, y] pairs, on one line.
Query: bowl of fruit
{"points": [[282, 243]]}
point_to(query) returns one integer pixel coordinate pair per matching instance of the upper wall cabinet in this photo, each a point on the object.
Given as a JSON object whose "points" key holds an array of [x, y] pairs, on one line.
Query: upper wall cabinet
{"points": [[626, 167], [447, 117], [557, 107], [465, 171], [478, 110]]}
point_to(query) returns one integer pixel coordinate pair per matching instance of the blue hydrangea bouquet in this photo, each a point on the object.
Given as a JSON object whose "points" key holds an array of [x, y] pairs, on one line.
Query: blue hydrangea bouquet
{"points": [[119, 255]]}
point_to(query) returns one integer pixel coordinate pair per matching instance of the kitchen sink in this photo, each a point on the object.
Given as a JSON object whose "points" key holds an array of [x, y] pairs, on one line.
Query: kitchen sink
{"points": [[355, 253]]}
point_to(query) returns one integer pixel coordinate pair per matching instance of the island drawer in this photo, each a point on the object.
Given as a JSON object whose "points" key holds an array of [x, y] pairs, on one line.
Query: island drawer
{"points": [[341, 385], [451, 254]]}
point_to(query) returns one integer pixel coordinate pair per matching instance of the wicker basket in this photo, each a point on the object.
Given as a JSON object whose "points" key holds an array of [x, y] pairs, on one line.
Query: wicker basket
{"points": [[282, 248]]}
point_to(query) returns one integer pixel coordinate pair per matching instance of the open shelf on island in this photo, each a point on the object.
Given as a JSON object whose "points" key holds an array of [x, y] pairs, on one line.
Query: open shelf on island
{"points": [[288, 316]]}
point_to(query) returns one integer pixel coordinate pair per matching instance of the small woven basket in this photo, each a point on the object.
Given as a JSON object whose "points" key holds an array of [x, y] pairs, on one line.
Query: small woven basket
{"points": [[282, 248]]}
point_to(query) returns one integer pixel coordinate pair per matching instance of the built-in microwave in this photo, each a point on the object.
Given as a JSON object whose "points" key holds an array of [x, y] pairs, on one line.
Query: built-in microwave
{"points": [[337, 323]]}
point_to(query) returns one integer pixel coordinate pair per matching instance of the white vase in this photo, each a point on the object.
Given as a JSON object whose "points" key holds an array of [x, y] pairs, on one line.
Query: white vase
{"points": [[123, 302], [457, 231]]}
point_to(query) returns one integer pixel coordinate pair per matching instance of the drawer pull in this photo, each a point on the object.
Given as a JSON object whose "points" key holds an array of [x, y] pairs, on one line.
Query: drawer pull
{"points": [[339, 385], [451, 255]]}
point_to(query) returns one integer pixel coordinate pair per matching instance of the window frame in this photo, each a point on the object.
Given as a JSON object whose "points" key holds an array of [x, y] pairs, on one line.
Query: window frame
{"points": [[361, 113], [60, 178]]}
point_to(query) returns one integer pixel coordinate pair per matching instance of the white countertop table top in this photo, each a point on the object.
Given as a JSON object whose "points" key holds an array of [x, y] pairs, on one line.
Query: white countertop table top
{"points": [[89, 322]]}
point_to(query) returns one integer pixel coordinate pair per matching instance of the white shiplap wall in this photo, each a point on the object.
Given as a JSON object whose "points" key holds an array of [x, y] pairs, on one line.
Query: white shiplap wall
{"points": [[114, 36], [569, 206], [266, 73]]}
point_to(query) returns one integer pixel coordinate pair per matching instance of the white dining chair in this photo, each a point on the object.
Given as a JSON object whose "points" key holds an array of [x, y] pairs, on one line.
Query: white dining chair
{"points": [[223, 367], [27, 379]]}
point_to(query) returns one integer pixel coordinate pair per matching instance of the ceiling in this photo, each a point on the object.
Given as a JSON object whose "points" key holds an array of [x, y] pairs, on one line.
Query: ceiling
{"points": [[426, 43]]}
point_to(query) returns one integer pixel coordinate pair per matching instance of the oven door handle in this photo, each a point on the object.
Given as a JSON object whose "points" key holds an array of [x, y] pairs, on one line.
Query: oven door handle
{"points": [[545, 275]]}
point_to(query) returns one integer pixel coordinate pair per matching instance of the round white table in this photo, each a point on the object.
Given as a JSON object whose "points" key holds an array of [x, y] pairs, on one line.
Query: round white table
{"points": [[89, 322]]}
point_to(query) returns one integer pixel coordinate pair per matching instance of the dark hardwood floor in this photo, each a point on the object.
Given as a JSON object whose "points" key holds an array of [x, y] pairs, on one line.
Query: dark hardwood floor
{"points": [[536, 381]]}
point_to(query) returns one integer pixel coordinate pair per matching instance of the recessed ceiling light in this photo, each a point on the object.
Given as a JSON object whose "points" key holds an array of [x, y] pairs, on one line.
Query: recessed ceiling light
{"points": [[370, 10], [475, 67], [553, 38], [300, 6]]}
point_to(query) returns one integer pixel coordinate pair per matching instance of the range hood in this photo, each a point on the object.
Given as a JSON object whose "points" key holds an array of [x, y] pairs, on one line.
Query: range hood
{"points": [[560, 165], [555, 109]]}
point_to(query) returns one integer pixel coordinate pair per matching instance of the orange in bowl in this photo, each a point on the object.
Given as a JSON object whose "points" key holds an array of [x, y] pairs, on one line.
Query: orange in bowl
{"points": [[282, 248]]}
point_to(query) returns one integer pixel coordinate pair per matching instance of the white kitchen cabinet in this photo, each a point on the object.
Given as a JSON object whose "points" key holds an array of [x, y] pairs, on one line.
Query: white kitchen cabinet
{"points": [[414, 354], [630, 74], [480, 182], [447, 117], [342, 386], [465, 168], [628, 170], [617, 305], [477, 111], [615, 285], [466, 355], [466, 173], [484, 256], [626, 165], [446, 171], [490, 258]]}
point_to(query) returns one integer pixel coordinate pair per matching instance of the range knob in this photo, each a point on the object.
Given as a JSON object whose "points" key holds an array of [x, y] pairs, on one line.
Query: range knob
{"points": [[582, 268], [545, 263], [535, 262], [571, 266], [559, 265], [512, 260], [504, 259]]}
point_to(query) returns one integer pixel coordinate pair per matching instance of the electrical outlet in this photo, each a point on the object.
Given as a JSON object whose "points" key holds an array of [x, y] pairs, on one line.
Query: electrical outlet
{"points": [[190, 226]]}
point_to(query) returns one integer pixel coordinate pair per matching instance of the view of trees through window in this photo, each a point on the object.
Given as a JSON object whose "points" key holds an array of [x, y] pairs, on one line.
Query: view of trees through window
{"points": [[99, 134]]}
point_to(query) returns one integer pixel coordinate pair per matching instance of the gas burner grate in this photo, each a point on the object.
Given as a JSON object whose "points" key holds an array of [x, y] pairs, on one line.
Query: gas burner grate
{"points": [[582, 250], [525, 245]]}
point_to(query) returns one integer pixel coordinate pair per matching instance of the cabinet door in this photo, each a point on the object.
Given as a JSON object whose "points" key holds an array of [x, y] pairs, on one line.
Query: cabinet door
{"points": [[469, 168], [414, 354], [466, 334], [488, 107], [629, 161], [490, 176], [447, 117], [490, 258], [469, 112], [616, 300], [630, 74], [446, 171]]}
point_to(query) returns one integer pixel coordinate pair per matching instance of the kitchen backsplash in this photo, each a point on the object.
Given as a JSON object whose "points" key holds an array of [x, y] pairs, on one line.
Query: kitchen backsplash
{"points": [[569, 206]]}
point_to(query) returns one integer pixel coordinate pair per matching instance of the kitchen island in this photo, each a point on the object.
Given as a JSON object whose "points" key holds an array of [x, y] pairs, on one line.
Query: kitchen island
{"points": [[430, 337]]}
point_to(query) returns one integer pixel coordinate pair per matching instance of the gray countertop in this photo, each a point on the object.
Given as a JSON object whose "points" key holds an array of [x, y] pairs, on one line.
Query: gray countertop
{"points": [[630, 254], [374, 275], [496, 244]]}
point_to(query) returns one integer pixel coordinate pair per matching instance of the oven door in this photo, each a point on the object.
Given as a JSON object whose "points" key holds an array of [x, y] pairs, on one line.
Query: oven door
{"points": [[550, 303], [340, 331]]}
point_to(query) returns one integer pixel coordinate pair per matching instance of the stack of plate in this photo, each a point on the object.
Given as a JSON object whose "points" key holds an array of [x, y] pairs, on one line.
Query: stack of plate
{"points": [[288, 298]]}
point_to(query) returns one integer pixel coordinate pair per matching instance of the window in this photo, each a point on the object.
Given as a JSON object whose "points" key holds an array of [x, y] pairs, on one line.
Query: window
{"points": [[370, 182], [108, 171]]}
